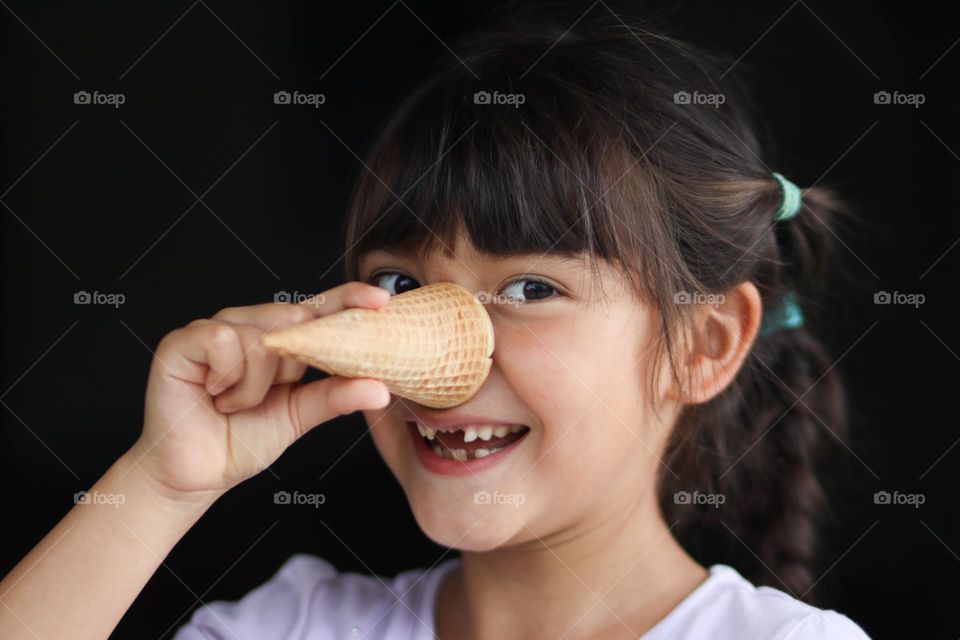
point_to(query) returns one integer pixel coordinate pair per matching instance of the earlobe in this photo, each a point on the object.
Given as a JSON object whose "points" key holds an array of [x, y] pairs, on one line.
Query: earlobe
{"points": [[723, 336]]}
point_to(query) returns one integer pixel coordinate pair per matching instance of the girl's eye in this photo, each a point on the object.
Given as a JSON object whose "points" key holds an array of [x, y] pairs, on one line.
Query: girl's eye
{"points": [[532, 290], [520, 290], [389, 279]]}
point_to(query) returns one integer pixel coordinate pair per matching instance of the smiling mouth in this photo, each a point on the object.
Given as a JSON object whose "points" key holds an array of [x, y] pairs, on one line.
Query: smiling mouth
{"points": [[471, 442]]}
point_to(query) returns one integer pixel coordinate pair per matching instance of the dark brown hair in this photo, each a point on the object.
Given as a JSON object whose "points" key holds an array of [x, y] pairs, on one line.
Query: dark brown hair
{"points": [[636, 148]]}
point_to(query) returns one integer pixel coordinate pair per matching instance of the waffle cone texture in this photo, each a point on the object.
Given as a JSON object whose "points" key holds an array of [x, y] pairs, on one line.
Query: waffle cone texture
{"points": [[431, 345]]}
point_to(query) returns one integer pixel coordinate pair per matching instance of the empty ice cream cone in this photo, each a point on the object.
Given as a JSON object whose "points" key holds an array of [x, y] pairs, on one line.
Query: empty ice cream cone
{"points": [[431, 345]]}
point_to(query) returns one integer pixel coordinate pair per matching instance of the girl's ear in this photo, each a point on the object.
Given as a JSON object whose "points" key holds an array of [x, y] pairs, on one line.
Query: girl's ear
{"points": [[723, 334]]}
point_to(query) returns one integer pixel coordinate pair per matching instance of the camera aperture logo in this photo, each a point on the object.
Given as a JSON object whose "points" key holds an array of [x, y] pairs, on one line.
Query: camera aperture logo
{"points": [[698, 297], [311, 499], [110, 99], [512, 99], [296, 97], [486, 497], [911, 499], [712, 499], [485, 297], [910, 99], [95, 497], [909, 299], [295, 297], [714, 100], [97, 297]]}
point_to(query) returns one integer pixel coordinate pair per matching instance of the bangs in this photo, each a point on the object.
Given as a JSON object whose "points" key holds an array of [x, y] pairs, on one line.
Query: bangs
{"points": [[556, 174]]}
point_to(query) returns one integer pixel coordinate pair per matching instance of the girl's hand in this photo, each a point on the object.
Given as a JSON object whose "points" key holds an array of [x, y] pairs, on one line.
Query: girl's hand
{"points": [[220, 407]]}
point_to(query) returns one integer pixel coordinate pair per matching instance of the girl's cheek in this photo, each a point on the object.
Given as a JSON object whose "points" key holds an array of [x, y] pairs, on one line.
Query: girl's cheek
{"points": [[527, 355], [540, 336], [544, 363], [563, 350], [575, 371]]}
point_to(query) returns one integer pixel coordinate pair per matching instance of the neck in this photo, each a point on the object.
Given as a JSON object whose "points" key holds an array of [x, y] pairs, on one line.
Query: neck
{"points": [[615, 577]]}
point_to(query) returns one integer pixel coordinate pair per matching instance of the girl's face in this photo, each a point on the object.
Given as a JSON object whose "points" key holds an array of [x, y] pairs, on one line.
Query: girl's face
{"points": [[569, 364]]}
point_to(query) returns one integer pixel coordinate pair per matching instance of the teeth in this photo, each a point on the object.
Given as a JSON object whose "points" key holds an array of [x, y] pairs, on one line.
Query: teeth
{"points": [[470, 434], [461, 454], [426, 431]]}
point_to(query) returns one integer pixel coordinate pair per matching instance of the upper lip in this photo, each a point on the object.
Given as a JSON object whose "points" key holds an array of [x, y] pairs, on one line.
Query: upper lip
{"points": [[456, 422]]}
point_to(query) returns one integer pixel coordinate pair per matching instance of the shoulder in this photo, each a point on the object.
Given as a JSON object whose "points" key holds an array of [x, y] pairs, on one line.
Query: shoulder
{"points": [[728, 606], [309, 598], [822, 623]]}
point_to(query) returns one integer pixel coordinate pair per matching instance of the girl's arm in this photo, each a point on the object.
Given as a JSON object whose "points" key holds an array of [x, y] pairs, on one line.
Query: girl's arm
{"points": [[219, 408]]}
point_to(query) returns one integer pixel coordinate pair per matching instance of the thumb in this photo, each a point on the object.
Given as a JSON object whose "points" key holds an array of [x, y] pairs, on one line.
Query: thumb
{"points": [[317, 402]]}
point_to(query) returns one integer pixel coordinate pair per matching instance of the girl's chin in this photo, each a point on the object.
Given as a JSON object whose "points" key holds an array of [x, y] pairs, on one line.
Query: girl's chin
{"points": [[476, 529]]}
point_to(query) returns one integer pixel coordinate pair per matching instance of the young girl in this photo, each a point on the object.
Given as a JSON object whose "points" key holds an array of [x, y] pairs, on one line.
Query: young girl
{"points": [[655, 401]]}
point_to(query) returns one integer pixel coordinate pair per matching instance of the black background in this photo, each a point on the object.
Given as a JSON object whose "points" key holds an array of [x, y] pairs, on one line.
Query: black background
{"points": [[103, 199]]}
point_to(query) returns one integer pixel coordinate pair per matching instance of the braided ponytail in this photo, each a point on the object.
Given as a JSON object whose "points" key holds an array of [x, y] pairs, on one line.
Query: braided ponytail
{"points": [[760, 441]]}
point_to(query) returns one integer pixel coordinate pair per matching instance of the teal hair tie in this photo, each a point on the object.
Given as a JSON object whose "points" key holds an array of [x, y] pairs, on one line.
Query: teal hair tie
{"points": [[786, 316], [790, 205]]}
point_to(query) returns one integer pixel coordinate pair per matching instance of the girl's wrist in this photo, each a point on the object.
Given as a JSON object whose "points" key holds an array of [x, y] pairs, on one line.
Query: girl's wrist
{"points": [[132, 472]]}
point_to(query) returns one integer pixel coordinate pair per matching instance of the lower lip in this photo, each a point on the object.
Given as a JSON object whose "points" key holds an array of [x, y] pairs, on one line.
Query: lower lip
{"points": [[447, 467]]}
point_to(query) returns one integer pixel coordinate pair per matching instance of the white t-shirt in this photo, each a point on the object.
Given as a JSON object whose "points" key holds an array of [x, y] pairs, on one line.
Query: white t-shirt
{"points": [[308, 599]]}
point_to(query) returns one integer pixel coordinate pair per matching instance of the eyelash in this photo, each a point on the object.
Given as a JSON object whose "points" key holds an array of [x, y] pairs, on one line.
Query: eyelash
{"points": [[557, 293]]}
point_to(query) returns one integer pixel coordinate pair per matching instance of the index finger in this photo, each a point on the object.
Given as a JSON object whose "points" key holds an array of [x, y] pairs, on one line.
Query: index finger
{"points": [[273, 315], [346, 295]]}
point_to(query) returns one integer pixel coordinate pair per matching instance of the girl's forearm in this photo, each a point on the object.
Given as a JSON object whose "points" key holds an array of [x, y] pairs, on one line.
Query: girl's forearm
{"points": [[83, 576]]}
